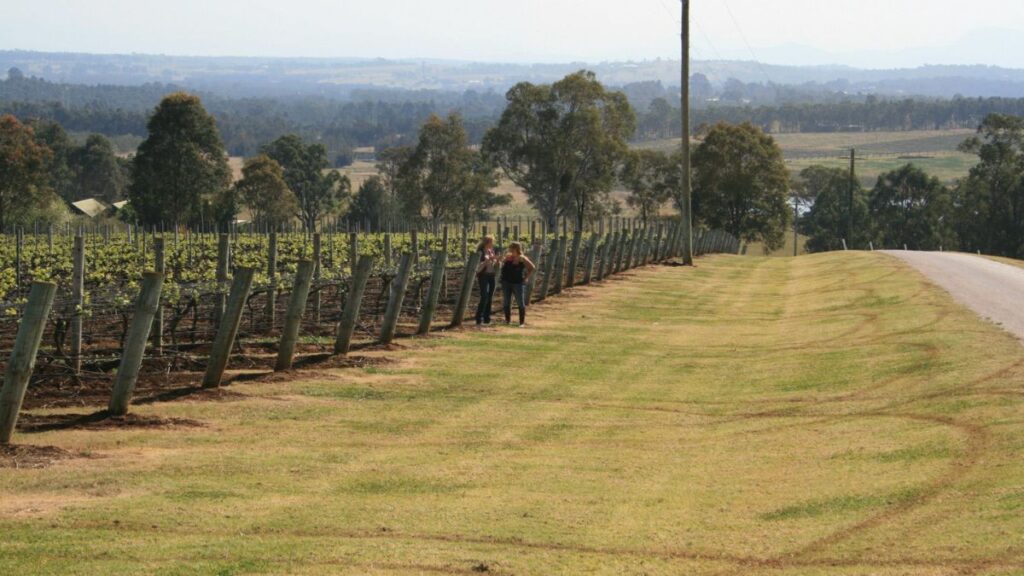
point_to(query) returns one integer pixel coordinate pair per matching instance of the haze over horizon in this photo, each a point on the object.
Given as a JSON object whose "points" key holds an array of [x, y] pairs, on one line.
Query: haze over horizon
{"points": [[871, 34]]}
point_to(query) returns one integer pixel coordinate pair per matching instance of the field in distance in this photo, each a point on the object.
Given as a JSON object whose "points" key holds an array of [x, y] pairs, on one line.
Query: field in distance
{"points": [[933, 150]]}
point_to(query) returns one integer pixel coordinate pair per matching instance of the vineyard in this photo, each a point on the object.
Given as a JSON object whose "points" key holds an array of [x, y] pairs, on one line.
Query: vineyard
{"points": [[387, 284]]}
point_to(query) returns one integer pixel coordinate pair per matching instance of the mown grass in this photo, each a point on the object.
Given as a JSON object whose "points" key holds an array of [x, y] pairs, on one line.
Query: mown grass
{"points": [[824, 414]]}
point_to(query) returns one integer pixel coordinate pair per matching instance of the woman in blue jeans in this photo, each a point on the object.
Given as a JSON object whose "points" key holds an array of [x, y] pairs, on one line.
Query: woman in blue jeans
{"points": [[516, 270], [485, 272]]}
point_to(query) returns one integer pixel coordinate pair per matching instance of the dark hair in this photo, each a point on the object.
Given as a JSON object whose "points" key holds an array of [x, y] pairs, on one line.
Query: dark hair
{"points": [[517, 246]]}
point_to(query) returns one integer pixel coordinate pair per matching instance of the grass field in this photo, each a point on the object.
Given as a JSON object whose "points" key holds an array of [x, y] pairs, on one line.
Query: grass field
{"points": [[830, 414], [933, 150]]}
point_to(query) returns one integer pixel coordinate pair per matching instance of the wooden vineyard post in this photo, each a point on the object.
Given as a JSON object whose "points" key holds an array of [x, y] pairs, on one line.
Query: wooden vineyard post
{"points": [[549, 266], [620, 250], [387, 251], [627, 250], [23, 356], [19, 246], [602, 265], [77, 301], [146, 307], [414, 247], [270, 310], [559, 265], [159, 265], [350, 315], [466, 290], [223, 257], [436, 282], [535, 254], [293, 317], [577, 244], [588, 271], [353, 251], [396, 298], [228, 328], [317, 253]]}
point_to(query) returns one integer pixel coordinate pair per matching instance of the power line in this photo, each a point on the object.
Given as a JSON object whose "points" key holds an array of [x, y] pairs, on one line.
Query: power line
{"points": [[744, 38]]}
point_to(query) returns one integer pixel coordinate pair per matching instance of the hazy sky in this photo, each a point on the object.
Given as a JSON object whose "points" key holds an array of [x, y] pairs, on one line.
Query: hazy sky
{"points": [[865, 33]]}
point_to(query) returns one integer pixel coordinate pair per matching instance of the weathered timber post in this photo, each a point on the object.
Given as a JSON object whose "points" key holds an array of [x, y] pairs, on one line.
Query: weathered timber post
{"points": [[549, 266], [160, 266], [293, 317], [77, 301], [588, 272], [19, 246], [317, 253], [146, 307], [535, 254], [270, 310], [353, 251], [436, 282], [466, 290], [602, 264], [23, 356], [223, 261], [560, 264], [574, 260], [415, 247], [395, 299], [387, 251], [228, 328], [350, 315]]}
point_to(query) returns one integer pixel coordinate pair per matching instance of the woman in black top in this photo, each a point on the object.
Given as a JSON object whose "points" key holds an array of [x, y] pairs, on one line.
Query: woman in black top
{"points": [[516, 270], [485, 272]]}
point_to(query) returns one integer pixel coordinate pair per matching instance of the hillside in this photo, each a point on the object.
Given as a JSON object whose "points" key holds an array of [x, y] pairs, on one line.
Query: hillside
{"points": [[339, 77], [831, 413]]}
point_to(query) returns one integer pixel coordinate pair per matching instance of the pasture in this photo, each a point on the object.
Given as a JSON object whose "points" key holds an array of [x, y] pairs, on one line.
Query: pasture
{"points": [[825, 414], [933, 150]]}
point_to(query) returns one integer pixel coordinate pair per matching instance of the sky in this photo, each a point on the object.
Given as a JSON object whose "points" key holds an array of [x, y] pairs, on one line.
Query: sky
{"points": [[866, 33]]}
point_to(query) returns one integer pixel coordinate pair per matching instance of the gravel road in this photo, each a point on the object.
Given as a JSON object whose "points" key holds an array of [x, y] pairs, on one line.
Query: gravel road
{"points": [[991, 289]]}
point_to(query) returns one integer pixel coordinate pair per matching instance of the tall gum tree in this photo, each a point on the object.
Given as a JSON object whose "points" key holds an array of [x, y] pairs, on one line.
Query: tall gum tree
{"points": [[181, 164], [562, 144], [741, 184]]}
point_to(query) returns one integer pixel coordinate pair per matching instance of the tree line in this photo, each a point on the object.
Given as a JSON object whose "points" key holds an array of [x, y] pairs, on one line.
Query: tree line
{"points": [[907, 207], [387, 118], [565, 145]]}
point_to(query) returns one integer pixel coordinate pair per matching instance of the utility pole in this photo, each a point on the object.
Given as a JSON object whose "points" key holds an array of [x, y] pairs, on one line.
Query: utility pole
{"points": [[849, 204], [796, 215], [684, 88]]}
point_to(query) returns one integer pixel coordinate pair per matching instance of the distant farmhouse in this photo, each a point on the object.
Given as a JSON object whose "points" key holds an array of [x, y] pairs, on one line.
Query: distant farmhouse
{"points": [[91, 207]]}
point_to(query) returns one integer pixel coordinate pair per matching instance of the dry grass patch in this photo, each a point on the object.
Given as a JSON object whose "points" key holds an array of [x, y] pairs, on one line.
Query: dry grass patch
{"points": [[826, 414]]}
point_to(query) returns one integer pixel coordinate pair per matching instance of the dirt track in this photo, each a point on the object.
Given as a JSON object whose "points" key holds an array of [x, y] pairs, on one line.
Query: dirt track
{"points": [[991, 289]]}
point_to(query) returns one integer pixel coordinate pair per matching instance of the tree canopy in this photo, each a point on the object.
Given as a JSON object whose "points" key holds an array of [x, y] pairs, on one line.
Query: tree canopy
{"points": [[990, 201], [23, 171], [828, 190], [180, 165], [909, 207], [562, 143], [650, 177], [262, 188], [444, 179], [319, 191], [741, 184]]}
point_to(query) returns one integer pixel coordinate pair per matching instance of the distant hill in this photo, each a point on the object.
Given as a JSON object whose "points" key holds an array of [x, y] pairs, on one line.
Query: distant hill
{"points": [[340, 77]]}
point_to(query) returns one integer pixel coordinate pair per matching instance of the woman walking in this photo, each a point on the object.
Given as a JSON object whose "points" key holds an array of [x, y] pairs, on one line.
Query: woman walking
{"points": [[485, 272], [515, 273]]}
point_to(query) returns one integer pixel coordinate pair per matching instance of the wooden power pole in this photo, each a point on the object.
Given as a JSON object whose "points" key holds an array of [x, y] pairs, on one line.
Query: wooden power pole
{"points": [[687, 204], [849, 203]]}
